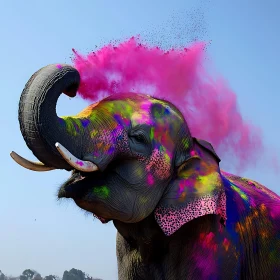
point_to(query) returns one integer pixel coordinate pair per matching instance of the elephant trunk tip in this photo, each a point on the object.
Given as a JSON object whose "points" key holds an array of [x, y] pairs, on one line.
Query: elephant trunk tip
{"points": [[71, 91]]}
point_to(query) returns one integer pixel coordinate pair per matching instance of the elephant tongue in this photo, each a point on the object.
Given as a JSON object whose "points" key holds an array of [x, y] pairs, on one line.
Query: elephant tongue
{"points": [[102, 220]]}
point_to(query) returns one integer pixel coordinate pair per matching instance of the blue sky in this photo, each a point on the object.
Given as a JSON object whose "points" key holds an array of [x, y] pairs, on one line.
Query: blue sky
{"points": [[38, 232]]}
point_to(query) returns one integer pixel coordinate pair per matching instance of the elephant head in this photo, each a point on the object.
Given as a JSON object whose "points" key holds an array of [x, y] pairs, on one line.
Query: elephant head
{"points": [[131, 155]]}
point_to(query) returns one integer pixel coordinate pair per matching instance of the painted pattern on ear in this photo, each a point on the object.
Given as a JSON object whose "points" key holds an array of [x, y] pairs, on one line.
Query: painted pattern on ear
{"points": [[171, 219], [196, 191]]}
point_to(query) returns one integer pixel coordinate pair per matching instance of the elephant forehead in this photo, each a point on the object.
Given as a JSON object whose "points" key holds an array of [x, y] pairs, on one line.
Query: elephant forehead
{"points": [[128, 111], [157, 113], [163, 137], [145, 111], [121, 107], [141, 117], [141, 113]]}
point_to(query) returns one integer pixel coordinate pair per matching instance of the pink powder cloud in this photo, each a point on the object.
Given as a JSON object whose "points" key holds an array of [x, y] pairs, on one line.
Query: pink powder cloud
{"points": [[182, 77]]}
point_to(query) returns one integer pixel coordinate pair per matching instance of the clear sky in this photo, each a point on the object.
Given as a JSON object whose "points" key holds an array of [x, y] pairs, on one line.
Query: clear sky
{"points": [[35, 230]]}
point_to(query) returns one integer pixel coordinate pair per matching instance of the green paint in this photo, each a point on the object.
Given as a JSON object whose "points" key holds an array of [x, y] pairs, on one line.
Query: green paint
{"points": [[240, 192], [152, 133], [185, 143], [102, 192], [93, 117], [143, 200], [157, 114], [72, 124], [140, 172], [167, 158], [125, 107]]}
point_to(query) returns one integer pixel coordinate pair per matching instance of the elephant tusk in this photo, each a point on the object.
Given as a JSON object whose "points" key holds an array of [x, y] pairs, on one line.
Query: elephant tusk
{"points": [[31, 165], [84, 166]]}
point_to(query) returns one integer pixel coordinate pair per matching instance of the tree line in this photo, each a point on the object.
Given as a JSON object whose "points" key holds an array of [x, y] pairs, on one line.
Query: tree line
{"points": [[30, 274]]}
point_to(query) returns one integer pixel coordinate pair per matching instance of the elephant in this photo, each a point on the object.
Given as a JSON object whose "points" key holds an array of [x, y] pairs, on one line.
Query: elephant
{"points": [[134, 161]]}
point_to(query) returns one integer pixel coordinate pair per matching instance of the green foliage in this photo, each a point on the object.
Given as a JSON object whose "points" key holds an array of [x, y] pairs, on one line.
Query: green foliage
{"points": [[30, 274], [50, 277], [73, 274], [27, 274]]}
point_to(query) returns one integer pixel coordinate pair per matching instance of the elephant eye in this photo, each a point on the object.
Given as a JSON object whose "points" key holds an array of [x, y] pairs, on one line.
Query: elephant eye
{"points": [[139, 142], [140, 138]]}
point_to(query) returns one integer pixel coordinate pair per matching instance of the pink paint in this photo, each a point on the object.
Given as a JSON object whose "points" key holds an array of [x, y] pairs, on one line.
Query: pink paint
{"points": [[193, 153], [161, 171], [208, 241], [182, 77], [150, 179], [205, 257], [79, 163], [182, 186]]}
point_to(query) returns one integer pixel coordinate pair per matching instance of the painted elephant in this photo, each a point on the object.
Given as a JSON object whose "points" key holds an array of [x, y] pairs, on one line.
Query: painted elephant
{"points": [[135, 162]]}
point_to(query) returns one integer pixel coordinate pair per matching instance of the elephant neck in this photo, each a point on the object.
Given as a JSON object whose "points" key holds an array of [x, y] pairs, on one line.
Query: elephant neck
{"points": [[147, 238]]}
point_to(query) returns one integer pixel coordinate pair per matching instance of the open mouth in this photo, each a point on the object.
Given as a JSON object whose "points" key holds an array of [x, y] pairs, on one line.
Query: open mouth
{"points": [[73, 188], [77, 176], [78, 186]]}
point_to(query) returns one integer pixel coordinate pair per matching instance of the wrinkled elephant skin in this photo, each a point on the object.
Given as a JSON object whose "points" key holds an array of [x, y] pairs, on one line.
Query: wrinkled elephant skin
{"points": [[135, 162]]}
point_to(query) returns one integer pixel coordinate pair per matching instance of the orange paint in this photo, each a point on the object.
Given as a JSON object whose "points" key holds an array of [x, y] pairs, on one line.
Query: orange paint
{"points": [[87, 111]]}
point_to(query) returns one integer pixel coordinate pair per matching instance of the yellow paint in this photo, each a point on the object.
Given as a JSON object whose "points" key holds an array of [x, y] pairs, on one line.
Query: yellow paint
{"points": [[240, 192], [143, 200], [93, 133], [140, 117], [207, 183], [70, 125], [87, 111]]}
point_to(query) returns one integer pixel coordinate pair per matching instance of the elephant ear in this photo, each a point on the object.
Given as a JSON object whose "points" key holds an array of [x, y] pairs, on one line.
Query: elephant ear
{"points": [[207, 146], [197, 190]]}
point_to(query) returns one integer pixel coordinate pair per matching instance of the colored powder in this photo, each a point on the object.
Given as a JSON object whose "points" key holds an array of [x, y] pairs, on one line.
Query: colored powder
{"points": [[150, 179], [182, 77], [102, 192], [241, 193], [226, 244]]}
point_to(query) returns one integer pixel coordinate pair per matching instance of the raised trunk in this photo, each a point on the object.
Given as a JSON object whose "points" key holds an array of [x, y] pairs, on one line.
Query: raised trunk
{"points": [[39, 123]]}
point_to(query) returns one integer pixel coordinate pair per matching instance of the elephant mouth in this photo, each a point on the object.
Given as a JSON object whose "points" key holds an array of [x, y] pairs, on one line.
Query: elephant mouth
{"points": [[78, 186], [75, 187]]}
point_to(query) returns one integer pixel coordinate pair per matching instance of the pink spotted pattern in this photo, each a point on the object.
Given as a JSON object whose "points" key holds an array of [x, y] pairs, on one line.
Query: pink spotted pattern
{"points": [[158, 165], [170, 219]]}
